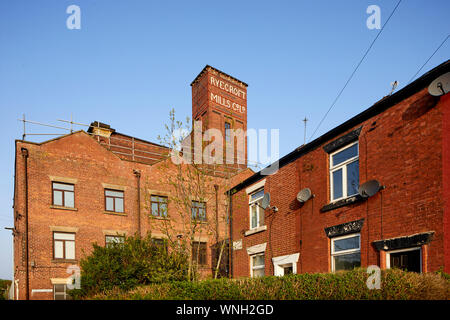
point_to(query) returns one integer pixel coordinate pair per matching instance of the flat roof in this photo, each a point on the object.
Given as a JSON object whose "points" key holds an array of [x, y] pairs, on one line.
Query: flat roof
{"points": [[208, 66]]}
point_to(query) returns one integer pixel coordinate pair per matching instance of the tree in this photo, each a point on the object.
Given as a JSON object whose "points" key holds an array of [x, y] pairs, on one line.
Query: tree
{"points": [[193, 186]]}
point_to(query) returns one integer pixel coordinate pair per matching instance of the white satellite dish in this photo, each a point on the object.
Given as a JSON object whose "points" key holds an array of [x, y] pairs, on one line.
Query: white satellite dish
{"points": [[369, 188], [440, 85], [304, 195], [265, 203]]}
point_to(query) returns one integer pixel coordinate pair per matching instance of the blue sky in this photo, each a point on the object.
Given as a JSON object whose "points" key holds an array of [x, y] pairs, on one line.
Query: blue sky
{"points": [[132, 61]]}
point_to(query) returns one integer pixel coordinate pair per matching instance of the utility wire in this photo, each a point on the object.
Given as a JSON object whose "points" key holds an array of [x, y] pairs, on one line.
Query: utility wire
{"points": [[354, 71], [442, 43]]}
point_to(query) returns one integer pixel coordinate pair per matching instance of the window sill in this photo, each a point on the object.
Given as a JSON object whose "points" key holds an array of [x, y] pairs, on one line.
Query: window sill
{"points": [[158, 218], [63, 208], [255, 230], [115, 213], [342, 203], [64, 261]]}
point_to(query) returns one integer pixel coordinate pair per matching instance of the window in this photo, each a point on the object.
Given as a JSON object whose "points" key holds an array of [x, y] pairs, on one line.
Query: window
{"points": [[257, 265], [159, 206], [160, 243], [114, 200], [256, 212], [199, 252], [198, 211], [405, 259], [64, 245], [63, 194], [60, 292], [227, 132], [345, 252], [284, 265], [344, 172], [111, 240]]}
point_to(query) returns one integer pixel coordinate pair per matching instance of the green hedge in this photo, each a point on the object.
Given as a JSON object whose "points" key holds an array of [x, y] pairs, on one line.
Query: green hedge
{"points": [[350, 285], [136, 261]]}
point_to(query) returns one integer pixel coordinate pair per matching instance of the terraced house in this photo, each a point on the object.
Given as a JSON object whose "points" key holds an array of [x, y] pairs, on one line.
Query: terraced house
{"points": [[373, 191], [100, 185]]}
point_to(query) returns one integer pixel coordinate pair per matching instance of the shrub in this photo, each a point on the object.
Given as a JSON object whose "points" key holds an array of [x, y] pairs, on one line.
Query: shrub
{"points": [[137, 261], [349, 285]]}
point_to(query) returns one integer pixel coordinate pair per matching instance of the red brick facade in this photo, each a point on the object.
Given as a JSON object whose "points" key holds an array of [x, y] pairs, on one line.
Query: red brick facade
{"points": [[403, 143], [93, 161]]}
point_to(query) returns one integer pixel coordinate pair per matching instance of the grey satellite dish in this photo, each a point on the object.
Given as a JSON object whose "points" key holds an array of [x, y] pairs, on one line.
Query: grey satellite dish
{"points": [[265, 203], [369, 188], [440, 85], [304, 195]]}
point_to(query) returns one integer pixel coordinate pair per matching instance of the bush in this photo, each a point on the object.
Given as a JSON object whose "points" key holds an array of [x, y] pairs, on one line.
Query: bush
{"points": [[350, 285], [137, 261]]}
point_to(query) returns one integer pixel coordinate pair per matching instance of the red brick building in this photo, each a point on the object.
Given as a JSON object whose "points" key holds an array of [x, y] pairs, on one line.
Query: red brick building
{"points": [[100, 185], [403, 142]]}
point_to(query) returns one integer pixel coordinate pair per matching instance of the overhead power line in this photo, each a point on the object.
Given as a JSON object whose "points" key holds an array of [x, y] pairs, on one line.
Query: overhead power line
{"points": [[354, 71], [442, 43]]}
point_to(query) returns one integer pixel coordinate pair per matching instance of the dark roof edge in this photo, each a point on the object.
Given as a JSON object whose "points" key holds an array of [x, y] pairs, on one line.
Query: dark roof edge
{"points": [[375, 109], [226, 74]]}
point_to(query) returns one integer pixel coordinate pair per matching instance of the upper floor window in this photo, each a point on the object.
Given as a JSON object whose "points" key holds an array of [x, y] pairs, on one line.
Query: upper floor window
{"points": [[345, 252], [63, 194], [114, 200], [159, 206], [111, 240], [256, 212], [198, 211], [64, 245], [227, 132], [344, 172]]}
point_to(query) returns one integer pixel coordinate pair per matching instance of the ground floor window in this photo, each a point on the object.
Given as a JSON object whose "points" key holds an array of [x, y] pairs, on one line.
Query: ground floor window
{"points": [[284, 265], [199, 253], [257, 265], [345, 252], [405, 259], [60, 292], [111, 240]]}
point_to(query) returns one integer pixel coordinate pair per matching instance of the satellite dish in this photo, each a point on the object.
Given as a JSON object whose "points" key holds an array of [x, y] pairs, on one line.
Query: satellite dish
{"points": [[440, 85], [369, 188], [265, 203], [304, 195]]}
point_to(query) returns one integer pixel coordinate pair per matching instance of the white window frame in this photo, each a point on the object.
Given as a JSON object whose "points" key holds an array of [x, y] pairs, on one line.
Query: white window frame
{"points": [[344, 252], [388, 256], [65, 294], [254, 203], [252, 268], [281, 262], [343, 166]]}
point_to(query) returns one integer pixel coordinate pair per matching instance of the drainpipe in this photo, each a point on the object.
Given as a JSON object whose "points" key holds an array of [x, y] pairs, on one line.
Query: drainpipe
{"points": [[230, 244], [137, 173], [216, 188], [27, 276]]}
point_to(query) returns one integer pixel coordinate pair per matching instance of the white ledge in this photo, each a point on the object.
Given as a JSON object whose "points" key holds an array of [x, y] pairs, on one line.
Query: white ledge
{"points": [[255, 230]]}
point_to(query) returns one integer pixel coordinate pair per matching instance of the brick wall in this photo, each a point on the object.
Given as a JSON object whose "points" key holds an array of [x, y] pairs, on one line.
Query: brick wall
{"points": [[402, 149]]}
